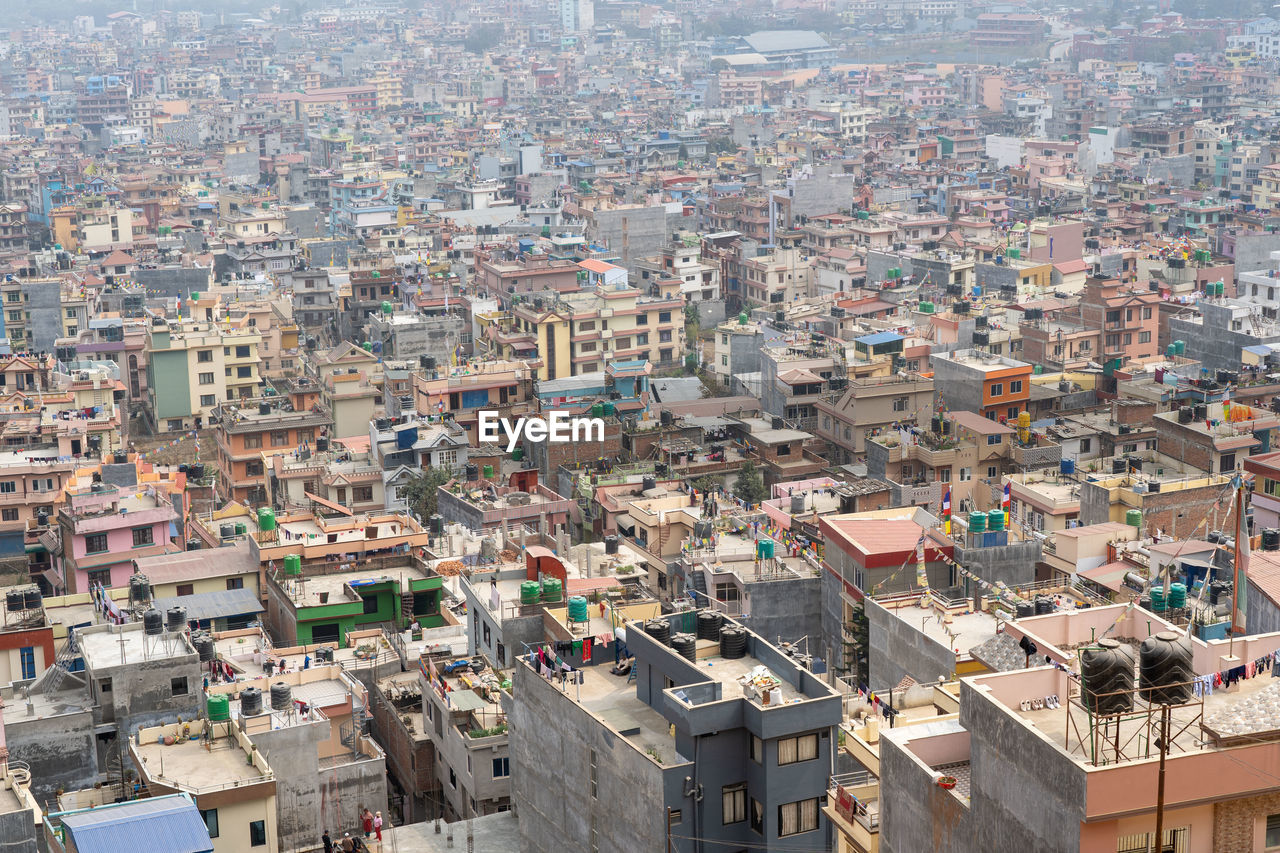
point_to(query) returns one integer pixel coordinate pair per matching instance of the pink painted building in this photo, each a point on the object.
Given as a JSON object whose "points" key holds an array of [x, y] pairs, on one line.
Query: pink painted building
{"points": [[102, 529], [1034, 769]]}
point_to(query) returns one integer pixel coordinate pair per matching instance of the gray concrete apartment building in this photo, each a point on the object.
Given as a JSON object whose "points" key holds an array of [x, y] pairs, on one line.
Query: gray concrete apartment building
{"points": [[1225, 327], [596, 766], [847, 417]]}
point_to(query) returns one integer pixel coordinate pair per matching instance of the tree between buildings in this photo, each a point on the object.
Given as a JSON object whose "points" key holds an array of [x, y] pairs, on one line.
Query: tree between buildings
{"points": [[420, 492], [749, 486]]}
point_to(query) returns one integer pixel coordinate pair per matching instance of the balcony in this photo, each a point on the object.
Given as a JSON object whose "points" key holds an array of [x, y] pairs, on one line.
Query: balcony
{"points": [[853, 807]]}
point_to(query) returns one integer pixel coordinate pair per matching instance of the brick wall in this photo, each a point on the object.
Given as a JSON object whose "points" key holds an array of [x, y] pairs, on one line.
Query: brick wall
{"points": [[1132, 412], [1181, 443], [1158, 510], [1235, 822]]}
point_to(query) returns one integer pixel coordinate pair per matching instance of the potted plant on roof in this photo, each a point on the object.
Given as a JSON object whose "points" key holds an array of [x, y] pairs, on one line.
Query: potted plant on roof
{"points": [[947, 782]]}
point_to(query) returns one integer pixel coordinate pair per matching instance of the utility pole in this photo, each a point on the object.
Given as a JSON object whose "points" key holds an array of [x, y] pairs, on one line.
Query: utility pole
{"points": [[1164, 751]]}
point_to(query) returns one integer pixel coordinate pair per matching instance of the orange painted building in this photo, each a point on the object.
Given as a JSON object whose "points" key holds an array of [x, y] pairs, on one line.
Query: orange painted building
{"points": [[971, 380]]}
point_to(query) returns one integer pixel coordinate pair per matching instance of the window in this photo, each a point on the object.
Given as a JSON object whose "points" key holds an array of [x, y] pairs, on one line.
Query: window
{"points": [[235, 583], [1144, 337], [733, 803], [664, 336], [370, 604], [27, 656], [798, 817], [993, 439], [252, 442], [997, 389], [1175, 841], [1146, 313], [258, 833], [991, 472], [208, 400], [95, 543], [244, 372], [1273, 831], [204, 356], [361, 494], [453, 778], [242, 352], [253, 468], [501, 768], [8, 487], [206, 378], [900, 404], [757, 816], [279, 438], [178, 686], [486, 633], [1011, 413], [1086, 445], [664, 317], [186, 589], [966, 475], [757, 750], [100, 577], [210, 817], [800, 748], [1015, 387], [104, 685], [8, 514], [142, 536]]}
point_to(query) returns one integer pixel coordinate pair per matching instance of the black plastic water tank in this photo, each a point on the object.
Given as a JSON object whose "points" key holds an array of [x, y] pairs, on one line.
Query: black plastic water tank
{"points": [[1024, 609], [1271, 539], [14, 600], [1106, 675], [176, 619], [611, 544], [1165, 666], [281, 696], [250, 702], [686, 645], [660, 630], [1043, 605], [709, 622], [472, 472], [733, 642], [153, 622]]}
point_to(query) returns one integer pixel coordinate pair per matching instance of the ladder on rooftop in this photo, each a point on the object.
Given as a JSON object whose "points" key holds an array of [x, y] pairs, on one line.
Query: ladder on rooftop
{"points": [[406, 605], [698, 583]]}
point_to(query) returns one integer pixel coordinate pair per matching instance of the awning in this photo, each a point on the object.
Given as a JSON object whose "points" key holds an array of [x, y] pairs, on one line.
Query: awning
{"points": [[626, 525], [330, 504], [214, 605]]}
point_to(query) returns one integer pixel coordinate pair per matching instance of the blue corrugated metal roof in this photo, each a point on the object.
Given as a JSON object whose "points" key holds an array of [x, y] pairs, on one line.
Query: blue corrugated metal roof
{"points": [[879, 338], [169, 824]]}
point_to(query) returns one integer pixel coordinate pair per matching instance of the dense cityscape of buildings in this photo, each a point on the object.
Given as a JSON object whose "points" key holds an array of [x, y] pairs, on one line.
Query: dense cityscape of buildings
{"points": [[929, 352]]}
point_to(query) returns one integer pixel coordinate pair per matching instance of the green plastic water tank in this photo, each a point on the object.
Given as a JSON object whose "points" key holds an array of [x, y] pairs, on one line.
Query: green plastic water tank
{"points": [[926, 307], [488, 472], [292, 564], [743, 318], [241, 528], [597, 410], [1158, 603], [577, 608], [1180, 346], [387, 308], [266, 519], [1177, 596], [764, 549], [517, 454], [551, 589], [1133, 518], [995, 520], [367, 346], [609, 409], [530, 592], [195, 296], [219, 708], [977, 522]]}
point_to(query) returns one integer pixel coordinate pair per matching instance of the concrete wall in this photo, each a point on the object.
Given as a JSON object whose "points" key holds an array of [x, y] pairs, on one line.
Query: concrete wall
{"points": [[18, 832], [1261, 616], [59, 749], [291, 753], [1014, 563], [789, 609], [832, 619], [44, 313], [1024, 794], [899, 649], [553, 742], [915, 814]]}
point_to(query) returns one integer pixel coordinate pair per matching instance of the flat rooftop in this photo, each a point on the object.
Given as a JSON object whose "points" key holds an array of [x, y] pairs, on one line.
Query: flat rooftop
{"points": [[306, 591], [189, 764], [128, 644], [955, 630], [613, 700]]}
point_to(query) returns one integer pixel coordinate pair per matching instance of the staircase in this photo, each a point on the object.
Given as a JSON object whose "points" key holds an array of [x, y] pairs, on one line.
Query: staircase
{"points": [[698, 583], [53, 677], [406, 606]]}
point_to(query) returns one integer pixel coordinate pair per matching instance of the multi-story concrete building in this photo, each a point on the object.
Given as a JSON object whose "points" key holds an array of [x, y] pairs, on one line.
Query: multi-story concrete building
{"points": [[252, 430], [724, 752], [194, 366], [995, 387], [849, 417]]}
